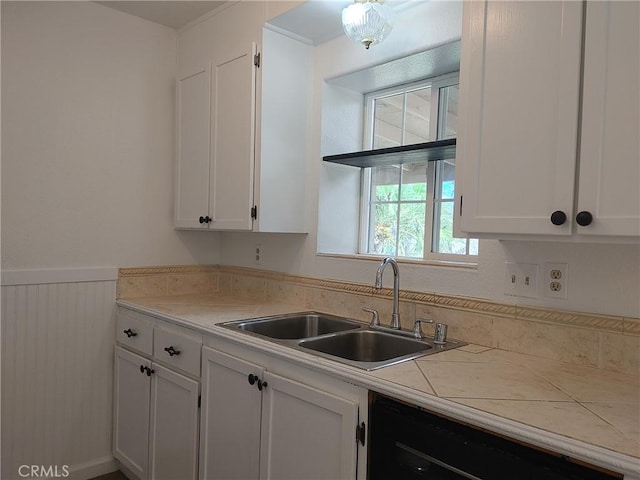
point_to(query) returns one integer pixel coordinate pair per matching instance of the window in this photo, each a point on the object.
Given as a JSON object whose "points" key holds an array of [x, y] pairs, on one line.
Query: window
{"points": [[408, 209]]}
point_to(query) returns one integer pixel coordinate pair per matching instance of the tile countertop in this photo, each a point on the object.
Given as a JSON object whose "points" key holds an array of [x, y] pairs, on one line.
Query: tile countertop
{"points": [[586, 413]]}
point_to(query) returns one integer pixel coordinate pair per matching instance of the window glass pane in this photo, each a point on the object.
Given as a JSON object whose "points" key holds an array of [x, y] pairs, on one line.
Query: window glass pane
{"points": [[473, 246], [387, 121], [446, 176], [406, 203], [418, 115], [385, 183], [448, 114], [446, 242], [414, 182], [411, 230], [383, 222]]}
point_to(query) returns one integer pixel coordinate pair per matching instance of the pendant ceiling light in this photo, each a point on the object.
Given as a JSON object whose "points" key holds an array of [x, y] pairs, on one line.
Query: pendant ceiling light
{"points": [[367, 21]]}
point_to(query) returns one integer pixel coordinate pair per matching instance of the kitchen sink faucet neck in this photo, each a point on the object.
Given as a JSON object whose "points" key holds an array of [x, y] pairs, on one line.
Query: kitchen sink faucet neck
{"points": [[395, 316]]}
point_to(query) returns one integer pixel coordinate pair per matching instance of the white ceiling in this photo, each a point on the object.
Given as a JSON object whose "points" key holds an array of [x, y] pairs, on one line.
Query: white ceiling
{"points": [[174, 14], [315, 20]]}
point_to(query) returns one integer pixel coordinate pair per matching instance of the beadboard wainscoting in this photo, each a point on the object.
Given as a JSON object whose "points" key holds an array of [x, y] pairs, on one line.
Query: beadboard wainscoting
{"points": [[58, 332]]}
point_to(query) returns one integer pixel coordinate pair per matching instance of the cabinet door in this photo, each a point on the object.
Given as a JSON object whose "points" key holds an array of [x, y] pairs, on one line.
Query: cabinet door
{"points": [[519, 94], [131, 411], [192, 172], [230, 425], [306, 433], [610, 151], [174, 426], [233, 90]]}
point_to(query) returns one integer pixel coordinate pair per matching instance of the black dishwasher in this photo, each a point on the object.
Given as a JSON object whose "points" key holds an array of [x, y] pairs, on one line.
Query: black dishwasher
{"points": [[407, 442]]}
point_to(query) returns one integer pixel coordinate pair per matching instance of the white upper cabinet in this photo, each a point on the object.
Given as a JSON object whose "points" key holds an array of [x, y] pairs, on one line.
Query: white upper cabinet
{"points": [[519, 98], [521, 168], [609, 181], [243, 109], [192, 187], [283, 92], [233, 93]]}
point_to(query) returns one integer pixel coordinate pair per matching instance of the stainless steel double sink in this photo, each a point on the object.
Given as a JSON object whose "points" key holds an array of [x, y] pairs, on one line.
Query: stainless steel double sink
{"points": [[341, 339]]}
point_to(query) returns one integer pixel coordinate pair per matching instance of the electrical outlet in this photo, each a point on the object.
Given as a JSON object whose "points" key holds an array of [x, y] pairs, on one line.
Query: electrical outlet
{"points": [[258, 255], [521, 279], [556, 280]]}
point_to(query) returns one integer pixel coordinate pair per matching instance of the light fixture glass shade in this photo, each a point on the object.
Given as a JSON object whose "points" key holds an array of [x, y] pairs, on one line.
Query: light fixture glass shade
{"points": [[367, 21]]}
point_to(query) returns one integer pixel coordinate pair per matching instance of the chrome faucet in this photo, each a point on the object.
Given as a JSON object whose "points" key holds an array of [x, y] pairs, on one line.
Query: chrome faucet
{"points": [[395, 316]]}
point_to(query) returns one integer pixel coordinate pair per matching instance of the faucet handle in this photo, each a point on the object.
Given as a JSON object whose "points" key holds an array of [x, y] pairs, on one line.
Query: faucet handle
{"points": [[375, 318], [417, 327]]}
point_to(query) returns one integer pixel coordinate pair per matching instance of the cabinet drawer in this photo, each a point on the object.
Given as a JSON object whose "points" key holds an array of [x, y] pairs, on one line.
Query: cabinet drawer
{"points": [[134, 331], [178, 349]]}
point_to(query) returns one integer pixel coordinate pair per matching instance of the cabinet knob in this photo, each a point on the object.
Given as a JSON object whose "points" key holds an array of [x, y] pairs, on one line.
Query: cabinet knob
{"points": [[584, 218], [252, 379], [206, 219], [558, 217], [261, 384], [149, 371], [142, 367], [171, 351], [130, 333]]}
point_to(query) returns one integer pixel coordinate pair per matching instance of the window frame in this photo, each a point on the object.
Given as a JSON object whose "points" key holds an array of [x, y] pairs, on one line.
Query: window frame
{"points": [[435, 133]]}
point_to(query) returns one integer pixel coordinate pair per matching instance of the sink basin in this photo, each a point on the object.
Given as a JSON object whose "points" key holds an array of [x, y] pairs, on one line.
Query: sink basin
{"points": [[340, 339], [368, 349], [295, 326]]}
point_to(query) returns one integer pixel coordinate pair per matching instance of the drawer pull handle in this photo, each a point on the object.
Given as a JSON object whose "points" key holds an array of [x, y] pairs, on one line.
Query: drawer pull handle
{"points": [[130, 333], [171, 351]]}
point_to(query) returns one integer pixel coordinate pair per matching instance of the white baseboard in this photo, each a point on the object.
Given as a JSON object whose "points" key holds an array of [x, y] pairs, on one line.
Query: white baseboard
{"points": [[94, 468]]}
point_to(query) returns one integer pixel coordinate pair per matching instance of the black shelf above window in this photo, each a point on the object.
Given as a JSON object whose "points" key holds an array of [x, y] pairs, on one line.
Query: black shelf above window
{"points": [[419, 152]]}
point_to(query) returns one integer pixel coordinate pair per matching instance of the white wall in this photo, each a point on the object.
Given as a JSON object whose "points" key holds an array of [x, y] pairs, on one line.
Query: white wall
{"points": [[88, 140], [88, 97], [602, 278]]}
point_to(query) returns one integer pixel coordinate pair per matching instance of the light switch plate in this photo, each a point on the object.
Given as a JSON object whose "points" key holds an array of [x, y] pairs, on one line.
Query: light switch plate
{"points": [[521, 279]]}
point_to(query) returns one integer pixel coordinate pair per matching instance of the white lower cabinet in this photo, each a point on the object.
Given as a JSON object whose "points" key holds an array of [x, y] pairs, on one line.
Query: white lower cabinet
{"points": [[131, 411], [256, 423], [230, 421], [155, 419], [306, 433]]}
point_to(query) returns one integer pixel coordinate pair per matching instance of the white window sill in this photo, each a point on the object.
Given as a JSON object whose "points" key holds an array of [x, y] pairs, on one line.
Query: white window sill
{"points": [[469, 265]]}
